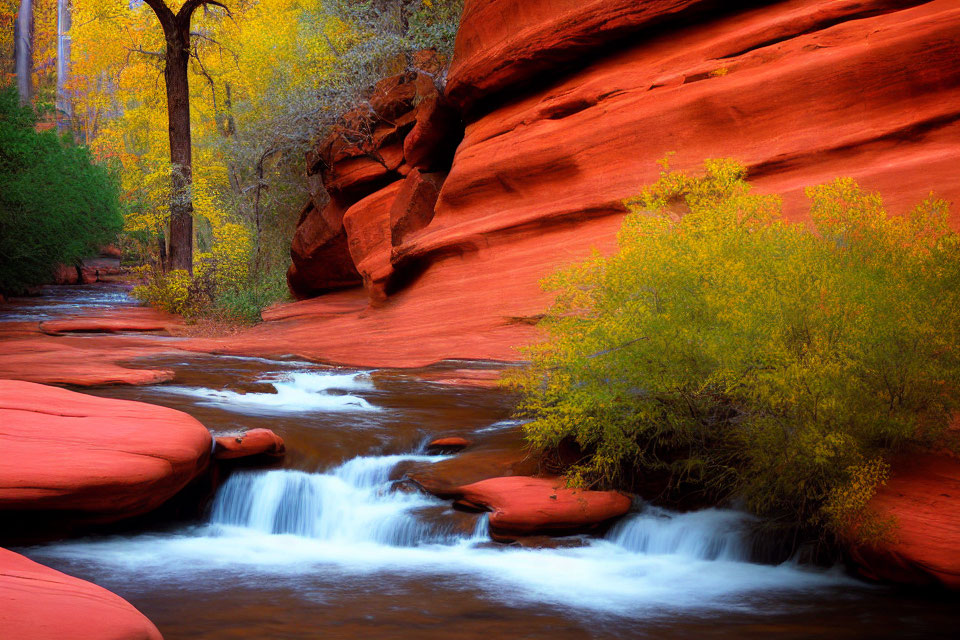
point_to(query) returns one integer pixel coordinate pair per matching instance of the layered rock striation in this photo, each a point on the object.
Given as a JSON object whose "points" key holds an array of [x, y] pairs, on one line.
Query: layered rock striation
{"points": [[565, 108]]}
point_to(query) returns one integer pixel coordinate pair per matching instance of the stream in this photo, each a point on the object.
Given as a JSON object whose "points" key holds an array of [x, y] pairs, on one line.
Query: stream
{"points": [[333, 543]]}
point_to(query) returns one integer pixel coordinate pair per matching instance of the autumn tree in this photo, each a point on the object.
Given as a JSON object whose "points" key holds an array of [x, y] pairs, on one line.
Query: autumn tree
{"points": [[176, 32]]}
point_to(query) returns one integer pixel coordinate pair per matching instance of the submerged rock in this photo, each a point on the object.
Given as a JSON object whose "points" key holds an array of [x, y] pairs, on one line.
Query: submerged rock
{"points": [[524, 506], [448, 445], [93, 460], [40, 603]]}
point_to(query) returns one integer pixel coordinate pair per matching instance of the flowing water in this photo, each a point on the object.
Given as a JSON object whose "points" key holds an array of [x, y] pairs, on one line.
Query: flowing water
{"points": [[334, 543]]}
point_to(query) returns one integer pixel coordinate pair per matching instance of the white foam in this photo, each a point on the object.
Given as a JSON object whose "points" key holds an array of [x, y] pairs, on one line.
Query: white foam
{"points": [[295, 392], [284, 525]]}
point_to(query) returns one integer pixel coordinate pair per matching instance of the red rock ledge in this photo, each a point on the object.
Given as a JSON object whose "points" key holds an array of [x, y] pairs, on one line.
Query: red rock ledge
{"points": [[39, 603], [529, 506], [101, 458], [114, 321]]}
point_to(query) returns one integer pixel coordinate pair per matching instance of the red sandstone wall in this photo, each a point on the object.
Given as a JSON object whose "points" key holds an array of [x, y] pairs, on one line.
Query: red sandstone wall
{"points": [[567, 106]]}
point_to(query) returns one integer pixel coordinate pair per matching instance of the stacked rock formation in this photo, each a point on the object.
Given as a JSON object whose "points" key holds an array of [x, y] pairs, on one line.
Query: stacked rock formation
{"points": [[373, 180]]}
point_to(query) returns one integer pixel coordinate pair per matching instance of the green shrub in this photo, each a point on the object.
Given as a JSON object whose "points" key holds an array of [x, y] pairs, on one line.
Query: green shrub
{"points": [[56, 205], [243, 304], [750, 358]]}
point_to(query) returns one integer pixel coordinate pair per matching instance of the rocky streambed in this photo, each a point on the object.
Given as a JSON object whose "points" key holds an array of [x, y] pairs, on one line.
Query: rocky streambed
{"points": [[338, 538]]}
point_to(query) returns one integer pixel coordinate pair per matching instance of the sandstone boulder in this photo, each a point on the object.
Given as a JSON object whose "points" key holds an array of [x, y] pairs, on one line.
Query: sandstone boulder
{"points": [[412, 208], [39, 603], [529, 506], [95, 459], [255, 442], [321, 255]]}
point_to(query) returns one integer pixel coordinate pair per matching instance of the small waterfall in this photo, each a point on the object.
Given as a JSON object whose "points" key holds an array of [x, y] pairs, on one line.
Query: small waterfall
{"points": [[710, 534], [352, 503]]}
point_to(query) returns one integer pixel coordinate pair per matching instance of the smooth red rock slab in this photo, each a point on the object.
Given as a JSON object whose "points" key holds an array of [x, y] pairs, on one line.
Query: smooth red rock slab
{"points": [[923, 495], [477, 303], [87, 361], [102, 458], [40, 603], [523, 506], [452, 443], [254, 442], [115, 320]]}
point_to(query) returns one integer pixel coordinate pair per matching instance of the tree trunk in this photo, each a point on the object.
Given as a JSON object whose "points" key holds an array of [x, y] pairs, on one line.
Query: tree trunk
{"points": [[23, 50], [176, 30], [64, 102], [181, 158]]}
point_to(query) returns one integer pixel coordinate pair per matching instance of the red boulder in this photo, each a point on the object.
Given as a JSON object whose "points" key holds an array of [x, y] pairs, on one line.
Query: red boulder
{"points": [[528, 506], [367, 224], [39, 603], [99, 459], [251, 443]]}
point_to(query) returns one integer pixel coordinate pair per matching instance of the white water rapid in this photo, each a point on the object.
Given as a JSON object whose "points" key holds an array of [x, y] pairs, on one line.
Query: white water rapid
{"points": [[293, 392], [352, 521]]}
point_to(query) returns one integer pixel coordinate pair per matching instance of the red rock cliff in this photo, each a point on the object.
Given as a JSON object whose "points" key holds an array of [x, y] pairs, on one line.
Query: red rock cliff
{"points": [[567, 105]]}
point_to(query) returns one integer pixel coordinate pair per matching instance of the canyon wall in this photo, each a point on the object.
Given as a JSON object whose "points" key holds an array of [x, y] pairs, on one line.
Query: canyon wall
{"points": [[433, 215]]}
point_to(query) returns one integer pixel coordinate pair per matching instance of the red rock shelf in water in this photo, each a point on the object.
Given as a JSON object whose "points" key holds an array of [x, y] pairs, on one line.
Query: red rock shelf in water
{"points": [[115, 320], [26, 354], [923, 495], [98, 459], [39, 603], [530, 506]]}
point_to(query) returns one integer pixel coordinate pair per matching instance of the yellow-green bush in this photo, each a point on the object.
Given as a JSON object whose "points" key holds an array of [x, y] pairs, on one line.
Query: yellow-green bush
{"points": [[746, 357]]}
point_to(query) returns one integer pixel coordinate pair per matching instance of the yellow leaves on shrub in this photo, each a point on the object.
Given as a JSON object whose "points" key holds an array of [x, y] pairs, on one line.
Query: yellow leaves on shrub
{"points": [[754, 358]]}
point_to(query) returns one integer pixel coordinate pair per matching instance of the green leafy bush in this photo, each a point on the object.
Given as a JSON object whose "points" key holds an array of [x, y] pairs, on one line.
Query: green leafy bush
{"points": [[56, 205], [743, 356]]}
